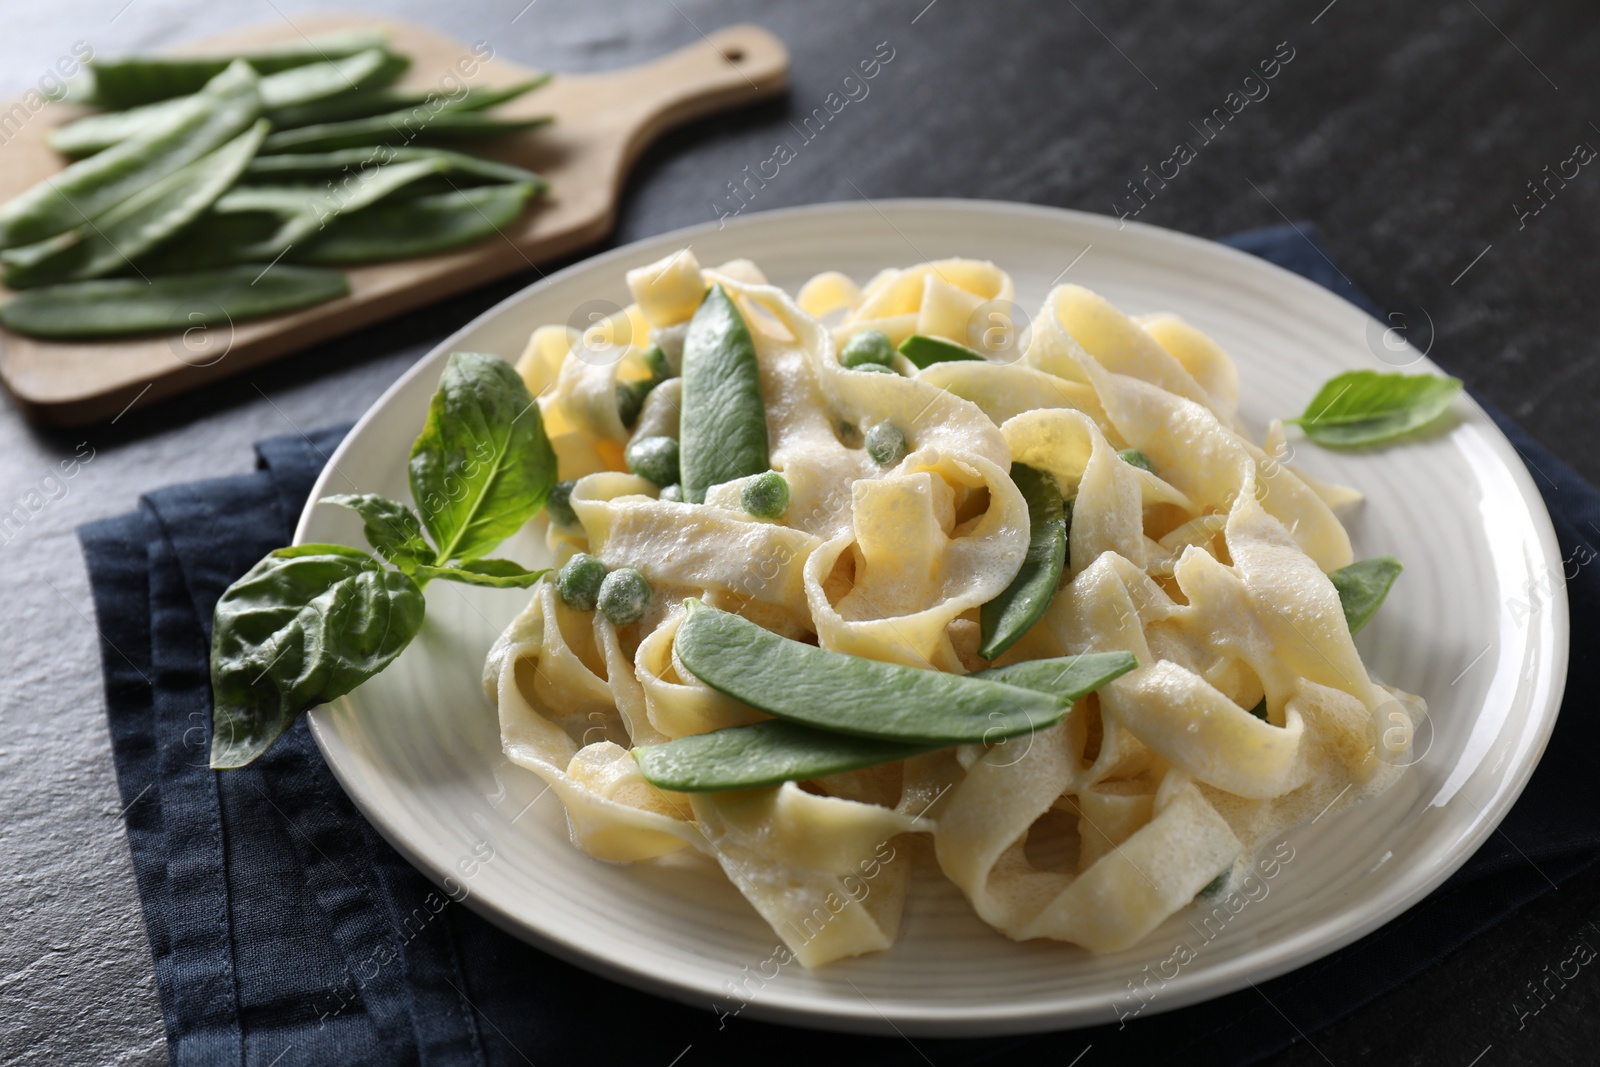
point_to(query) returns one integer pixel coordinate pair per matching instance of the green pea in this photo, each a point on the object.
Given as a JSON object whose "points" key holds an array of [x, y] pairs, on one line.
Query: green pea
{"points": [[655, 459], [886, 444], [868, 346], [673, 492], [630, 399], [765, 496], [658, 363], [875, 368], [624, 595], [1134, 457], [559, 504], [578, 581]]}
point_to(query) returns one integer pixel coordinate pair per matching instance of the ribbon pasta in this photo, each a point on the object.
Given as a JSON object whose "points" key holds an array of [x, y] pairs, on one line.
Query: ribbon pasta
{"points": [[1211, 571]]}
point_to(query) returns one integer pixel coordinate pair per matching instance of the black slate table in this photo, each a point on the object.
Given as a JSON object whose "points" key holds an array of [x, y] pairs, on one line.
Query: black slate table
{"points": [[1409, 132]]}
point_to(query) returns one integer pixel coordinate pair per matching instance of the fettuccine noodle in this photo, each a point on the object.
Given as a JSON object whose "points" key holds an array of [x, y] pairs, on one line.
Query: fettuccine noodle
{"points": [[1211, 571]]}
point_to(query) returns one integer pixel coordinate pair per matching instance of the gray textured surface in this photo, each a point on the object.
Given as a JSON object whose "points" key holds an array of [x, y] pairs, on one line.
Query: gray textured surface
{"points": [[1405, 131]]}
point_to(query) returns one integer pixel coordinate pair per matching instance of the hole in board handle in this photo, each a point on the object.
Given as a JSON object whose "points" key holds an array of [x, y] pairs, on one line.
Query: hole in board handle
{"points": [[733, 54]]}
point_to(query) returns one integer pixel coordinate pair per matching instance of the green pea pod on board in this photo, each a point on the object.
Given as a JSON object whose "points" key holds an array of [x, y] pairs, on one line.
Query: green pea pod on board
{"points": [[371, 69], [402, 229], [118, 307], [769, 753], [259, 223], [365, 103], [397, 129], [723, 432], [463, 169], [1003, 620], [135, 80], [316, 207], [309, 624], [298, 86], [112, 242], [91, 187]]}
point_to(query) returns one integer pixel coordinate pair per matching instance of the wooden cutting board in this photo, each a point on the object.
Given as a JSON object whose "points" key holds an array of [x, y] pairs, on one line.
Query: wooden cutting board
{"points": [[602, 123]]}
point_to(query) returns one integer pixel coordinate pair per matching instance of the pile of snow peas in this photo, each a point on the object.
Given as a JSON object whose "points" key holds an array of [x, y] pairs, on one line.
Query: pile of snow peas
{"points": [[218, 189]]}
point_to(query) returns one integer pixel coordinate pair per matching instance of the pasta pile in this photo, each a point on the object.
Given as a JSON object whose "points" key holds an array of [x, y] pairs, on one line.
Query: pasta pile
{"points": [[1211, 571]]}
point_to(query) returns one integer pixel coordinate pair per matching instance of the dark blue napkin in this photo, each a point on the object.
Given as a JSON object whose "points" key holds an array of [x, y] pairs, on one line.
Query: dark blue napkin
{"points": [[285, 931]]}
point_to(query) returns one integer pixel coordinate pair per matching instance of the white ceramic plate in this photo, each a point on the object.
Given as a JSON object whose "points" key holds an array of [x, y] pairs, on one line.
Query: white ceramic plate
{"points": [[418, 748]]}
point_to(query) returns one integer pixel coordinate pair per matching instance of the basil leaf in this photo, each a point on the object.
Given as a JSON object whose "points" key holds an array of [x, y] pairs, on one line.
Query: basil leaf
{"points": [[493, 573], [1364, 407], [482, 465], [1363, 586], [305, 625], [392, 529]]}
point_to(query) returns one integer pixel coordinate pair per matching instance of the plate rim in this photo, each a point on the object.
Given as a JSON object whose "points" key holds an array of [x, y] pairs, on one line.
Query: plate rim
{"points": [[976, 1018]]}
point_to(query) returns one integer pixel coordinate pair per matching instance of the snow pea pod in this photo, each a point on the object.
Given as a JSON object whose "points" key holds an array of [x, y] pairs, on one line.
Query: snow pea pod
{"points": [[851, 694], [370, 69], [368, 102], [769, 753], [1007, 617], [318, 166], [138, 224], [925, 351], [91, 187], [258, 223], [298, 86], [402, 228], [135, 80], [763, 754], [115, 307], [723, 432], [397, 128]]}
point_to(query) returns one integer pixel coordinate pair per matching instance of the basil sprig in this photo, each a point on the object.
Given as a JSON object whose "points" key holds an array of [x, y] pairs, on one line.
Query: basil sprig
{"points": [[1364, 407], [310, 623]]}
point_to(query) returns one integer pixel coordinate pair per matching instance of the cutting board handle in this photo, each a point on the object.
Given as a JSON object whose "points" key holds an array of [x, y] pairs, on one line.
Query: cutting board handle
{"points": [[731, 67]]}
